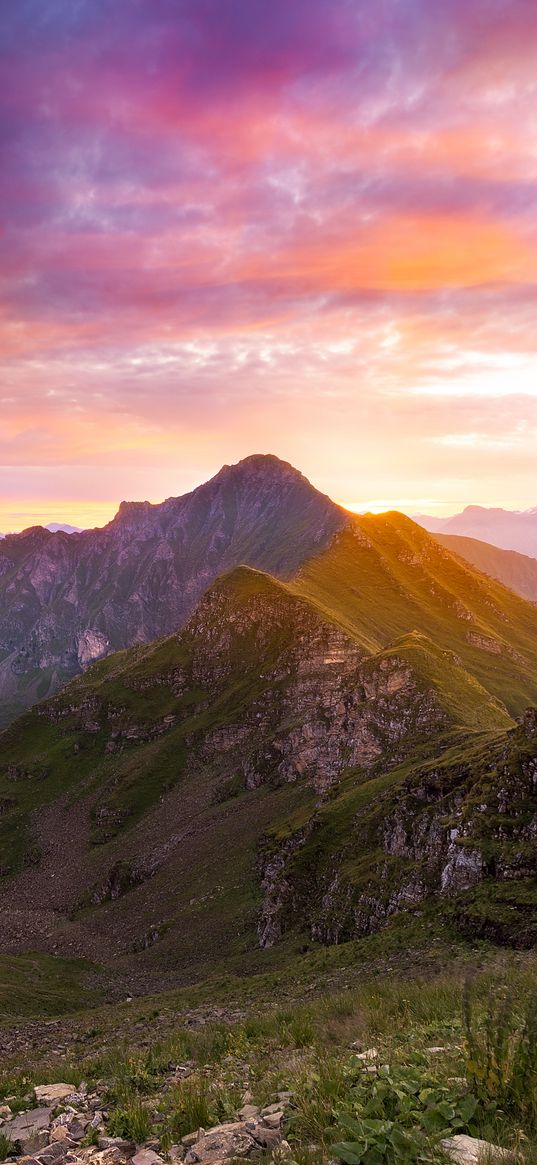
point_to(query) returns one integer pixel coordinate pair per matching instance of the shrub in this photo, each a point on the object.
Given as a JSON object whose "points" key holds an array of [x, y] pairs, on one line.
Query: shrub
{"points": [[5, 1147], [133, 1122], [501, 1053]]}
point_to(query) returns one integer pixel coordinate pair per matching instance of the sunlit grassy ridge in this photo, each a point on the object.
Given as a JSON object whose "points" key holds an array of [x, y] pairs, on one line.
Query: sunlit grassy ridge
{"points": [[387, 577]]}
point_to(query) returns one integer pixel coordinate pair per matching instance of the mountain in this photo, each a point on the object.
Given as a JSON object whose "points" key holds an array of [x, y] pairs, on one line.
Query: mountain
{"points": [[55, 527], [64, 527], [517, 571], [141, 806], [304, 759], [508, 529], [69, 599], [383, 576]]}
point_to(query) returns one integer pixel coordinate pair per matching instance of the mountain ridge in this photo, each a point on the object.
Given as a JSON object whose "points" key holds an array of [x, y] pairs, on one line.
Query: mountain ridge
{"points": [[66, 600]]}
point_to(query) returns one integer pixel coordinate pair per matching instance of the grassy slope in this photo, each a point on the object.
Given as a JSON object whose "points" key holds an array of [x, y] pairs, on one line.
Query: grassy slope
{"points": [[514, 570], [379, 585], [37, 984], [58, 756], [389, 577]]}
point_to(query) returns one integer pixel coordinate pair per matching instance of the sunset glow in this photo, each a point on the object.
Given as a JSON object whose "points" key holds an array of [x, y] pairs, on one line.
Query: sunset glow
{"points": [[305, 227]]}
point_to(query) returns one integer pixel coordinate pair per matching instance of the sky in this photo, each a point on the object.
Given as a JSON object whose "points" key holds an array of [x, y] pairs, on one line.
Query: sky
{"points": [[305, 227]]}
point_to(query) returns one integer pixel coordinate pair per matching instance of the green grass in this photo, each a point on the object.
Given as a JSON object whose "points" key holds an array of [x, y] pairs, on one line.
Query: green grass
{"points": [[105, 742], [388, 578], [38, 984]]}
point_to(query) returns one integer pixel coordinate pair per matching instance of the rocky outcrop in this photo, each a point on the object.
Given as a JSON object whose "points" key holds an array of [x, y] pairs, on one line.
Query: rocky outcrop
{"points": [[90, 645], [444, 832]]}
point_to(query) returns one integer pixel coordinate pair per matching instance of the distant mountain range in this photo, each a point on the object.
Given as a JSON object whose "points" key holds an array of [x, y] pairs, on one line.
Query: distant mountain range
{"points": [[508, 529], [55, 526], [313, 746]]}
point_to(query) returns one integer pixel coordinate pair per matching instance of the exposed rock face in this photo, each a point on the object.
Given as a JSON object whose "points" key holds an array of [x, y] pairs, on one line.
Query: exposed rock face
{"points": [[90, 645], [446, 832], [67, 599]]}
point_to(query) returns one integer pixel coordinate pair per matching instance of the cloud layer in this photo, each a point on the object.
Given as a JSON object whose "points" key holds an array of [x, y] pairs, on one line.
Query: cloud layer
{"points": [[235, 226]]}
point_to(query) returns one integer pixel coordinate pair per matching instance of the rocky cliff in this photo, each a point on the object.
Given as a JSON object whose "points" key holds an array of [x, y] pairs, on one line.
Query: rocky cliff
{"points": [[460, 831]]}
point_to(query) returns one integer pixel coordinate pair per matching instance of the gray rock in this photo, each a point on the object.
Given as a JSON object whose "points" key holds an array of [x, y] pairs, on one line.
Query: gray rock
{"points": [[126, 1147], [147, 1157], [221, 1144], [465, 1150], [30, 1130]]}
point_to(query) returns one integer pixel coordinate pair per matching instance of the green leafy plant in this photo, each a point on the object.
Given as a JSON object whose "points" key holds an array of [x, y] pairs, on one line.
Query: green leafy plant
{"points": [[398, 1115]]}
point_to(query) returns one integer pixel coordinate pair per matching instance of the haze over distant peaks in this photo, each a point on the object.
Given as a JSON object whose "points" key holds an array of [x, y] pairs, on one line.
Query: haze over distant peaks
{"points": [[508, 529], [55, 527]]}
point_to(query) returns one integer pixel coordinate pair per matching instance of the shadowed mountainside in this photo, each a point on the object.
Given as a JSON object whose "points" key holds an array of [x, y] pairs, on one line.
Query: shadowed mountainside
{"points": [[68, 599]]}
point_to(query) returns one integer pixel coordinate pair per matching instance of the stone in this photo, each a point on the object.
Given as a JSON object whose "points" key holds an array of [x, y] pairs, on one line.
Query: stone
{"points": [[270, 1108], [77, 1129], [464, 1150], [60, 1133], [5, 1112], [53, 1093], [125, 1147], [221, 1144], [30, 1129], [267, 1138], [369, 1054], [147, 1157], [248, 1112], [273, 1120]]}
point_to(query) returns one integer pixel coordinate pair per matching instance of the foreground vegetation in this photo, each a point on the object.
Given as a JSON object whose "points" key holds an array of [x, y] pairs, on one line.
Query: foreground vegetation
{"points": [[380, 1070]]}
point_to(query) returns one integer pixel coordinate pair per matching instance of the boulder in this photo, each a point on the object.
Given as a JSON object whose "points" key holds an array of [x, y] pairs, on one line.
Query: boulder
{"points": [[147, 1157], [249, 1112], [221, 1144], [53, 1093], [30, 1130], [464, 1150]]}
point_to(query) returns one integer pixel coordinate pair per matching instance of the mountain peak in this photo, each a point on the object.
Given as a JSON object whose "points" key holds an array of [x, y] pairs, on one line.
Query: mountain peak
{"points": [[267, 465]]}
